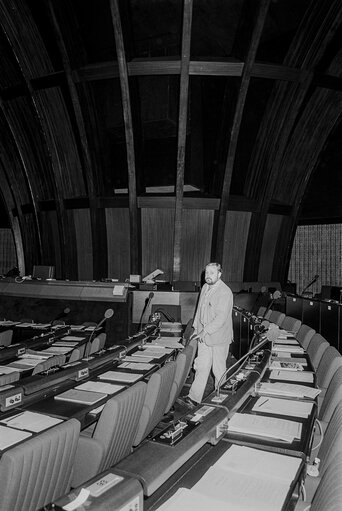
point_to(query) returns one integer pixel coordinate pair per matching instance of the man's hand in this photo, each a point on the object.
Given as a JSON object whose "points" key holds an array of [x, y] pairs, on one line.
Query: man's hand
{"points": [[197, 336]]}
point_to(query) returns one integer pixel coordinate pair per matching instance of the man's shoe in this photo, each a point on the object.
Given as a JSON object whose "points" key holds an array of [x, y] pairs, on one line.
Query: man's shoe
{"points": [[187, 401]]}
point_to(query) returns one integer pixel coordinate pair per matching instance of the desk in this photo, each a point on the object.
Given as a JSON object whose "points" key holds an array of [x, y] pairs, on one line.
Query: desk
{"points": [[87, 301]]}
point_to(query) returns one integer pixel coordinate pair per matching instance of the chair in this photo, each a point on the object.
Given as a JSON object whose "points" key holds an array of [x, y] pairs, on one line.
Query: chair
{"points": [[261, 311], [6, 337], [276, 317], [328, 496], [38, 470], [156, 400], [332, 398], [316, 348], [113, 435], [331, 444], [184, 362], [304, 335], [331, 360], [267, 314], [291, 324]]}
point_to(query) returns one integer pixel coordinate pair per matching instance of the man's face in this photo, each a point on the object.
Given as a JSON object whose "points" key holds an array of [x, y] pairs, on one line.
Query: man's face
{"points": [[212, 275]]}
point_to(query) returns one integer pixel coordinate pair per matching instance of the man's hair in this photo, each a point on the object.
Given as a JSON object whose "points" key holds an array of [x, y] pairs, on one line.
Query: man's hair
{"points": [[218, 266]]}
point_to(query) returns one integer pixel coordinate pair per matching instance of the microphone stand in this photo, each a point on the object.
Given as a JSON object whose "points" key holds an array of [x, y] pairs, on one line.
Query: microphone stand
{"points": [[269, 336], [147, 303], [316, 277]]}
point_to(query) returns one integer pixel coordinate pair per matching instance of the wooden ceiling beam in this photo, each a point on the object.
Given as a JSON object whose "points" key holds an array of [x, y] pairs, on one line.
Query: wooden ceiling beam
{"points": [[181, 142], [220, 220], [129, 135]]}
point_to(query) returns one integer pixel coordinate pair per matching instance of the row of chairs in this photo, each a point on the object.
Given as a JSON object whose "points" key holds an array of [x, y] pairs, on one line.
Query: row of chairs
{"points": [[43, 468], [325, 490]]}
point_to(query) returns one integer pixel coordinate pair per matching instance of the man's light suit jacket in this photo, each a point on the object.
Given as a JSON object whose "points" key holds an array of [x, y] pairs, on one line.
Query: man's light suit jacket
{"points": [[214, 314]]}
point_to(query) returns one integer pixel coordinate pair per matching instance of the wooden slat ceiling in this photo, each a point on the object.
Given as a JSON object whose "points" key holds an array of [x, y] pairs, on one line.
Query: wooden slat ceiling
{"points": [[238, 98]]}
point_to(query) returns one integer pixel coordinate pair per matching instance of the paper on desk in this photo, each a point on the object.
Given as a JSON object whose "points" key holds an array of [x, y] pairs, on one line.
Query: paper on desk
{"points": [[280, 341], [120, 376], [300, 376], [251, 492], [247, 460], [138, 366], [137, 358], [9, 436], [99, 386], [288, 349], [168, 342], [31, 421], [287, 366], [268, 427], [7, 370], [288, 390], [279, 406], [189, 500]]}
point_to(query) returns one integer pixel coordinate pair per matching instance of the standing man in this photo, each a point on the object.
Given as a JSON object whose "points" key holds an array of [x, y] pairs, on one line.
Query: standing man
{"points": [[213, 327]]}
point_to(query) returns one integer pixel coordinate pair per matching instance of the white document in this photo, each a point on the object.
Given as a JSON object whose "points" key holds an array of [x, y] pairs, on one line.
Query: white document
{"points": [[31, 421], [190, 500], [120, 376], [138, 366], [9, 436], [288, 390], [297, 376], [268, 427], [288, 349], [287, 366], [99, 386], [7, 370], [247, 460], [137, 358], [251, 492], [279, 406]]}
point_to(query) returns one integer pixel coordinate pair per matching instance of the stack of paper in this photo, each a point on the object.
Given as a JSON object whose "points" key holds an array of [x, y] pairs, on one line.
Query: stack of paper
{"points": [[243, 479], [9, 436], [288, 349], [80, 396], [137, 358], [136, 366], [297, 376], [287, 407], [99, 386], [268, 427], [288, 390], [287, 366], [31, 421], [120, 376]]}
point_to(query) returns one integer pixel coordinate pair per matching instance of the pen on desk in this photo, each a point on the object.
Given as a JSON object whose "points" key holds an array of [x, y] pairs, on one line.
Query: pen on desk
{"points": [[263, 403]]}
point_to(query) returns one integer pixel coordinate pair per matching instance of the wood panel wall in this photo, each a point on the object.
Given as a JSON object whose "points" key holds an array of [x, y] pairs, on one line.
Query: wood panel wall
{"points": [[271, 233], [235, 242], [117, 224], [8, 257], [84, 244], [197, 230], [157, 228]]}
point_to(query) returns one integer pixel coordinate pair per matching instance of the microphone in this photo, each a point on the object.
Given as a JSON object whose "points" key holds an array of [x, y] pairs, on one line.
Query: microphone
{"points": [[275, 296], [268, 337], [147, 303], [108, 314], [61, 315], [316, 277]]}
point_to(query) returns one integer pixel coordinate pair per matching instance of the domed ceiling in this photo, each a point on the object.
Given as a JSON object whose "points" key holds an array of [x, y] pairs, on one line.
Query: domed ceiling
{"points": [[221, 106]]}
